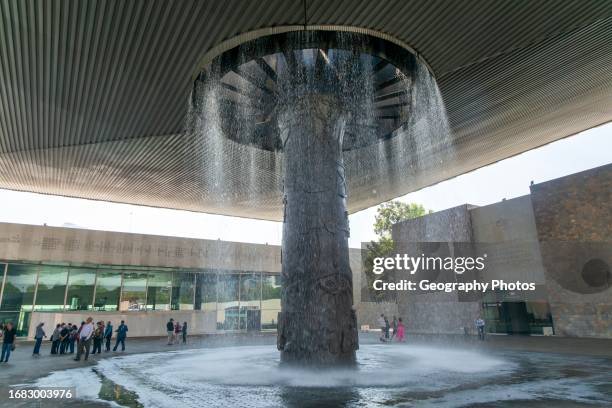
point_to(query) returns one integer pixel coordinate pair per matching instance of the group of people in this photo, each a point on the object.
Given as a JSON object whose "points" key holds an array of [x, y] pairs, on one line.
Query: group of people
{"points": [[399, 331], [174, 330], [67, 337]]}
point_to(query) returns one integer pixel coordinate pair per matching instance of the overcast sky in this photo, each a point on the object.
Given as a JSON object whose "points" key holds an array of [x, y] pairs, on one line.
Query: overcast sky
{"points": [[506, 179]]}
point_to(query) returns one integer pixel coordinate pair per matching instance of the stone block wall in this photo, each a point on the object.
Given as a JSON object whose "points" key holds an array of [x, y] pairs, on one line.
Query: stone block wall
{"points": [[573, 218], [577, 207], [368, 312], [439, 312]]}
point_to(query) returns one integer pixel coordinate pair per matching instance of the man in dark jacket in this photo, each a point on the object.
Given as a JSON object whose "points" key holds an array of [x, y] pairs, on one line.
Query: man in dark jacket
{"points": [[64, 338], [387, 327], [72, 337], [98, 336], [38, 336], [55, 339], [170, 331], [121, 336], [108, 334], [8, 341]]}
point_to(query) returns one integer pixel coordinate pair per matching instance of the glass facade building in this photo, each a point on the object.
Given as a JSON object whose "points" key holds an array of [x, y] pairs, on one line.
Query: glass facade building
{"points": [[241, 300]]}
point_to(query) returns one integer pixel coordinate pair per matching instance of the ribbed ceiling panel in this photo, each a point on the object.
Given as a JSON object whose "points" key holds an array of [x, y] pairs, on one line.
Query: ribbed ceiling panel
{"points": [[88, 89]]}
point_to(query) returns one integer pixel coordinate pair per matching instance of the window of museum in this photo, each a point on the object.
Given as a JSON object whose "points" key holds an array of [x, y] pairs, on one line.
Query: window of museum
{"points": [[134, 292], [3, 272], [270, 301], [159, 287], [183, 291], [51, 291], [228, 305], [206, 292], [250, 301], [80, 291], [18, 296], [108, 291]]}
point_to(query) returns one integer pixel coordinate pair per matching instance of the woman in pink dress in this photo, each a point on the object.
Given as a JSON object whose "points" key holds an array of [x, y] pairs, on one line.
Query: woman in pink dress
{"points": [[400, 330]]}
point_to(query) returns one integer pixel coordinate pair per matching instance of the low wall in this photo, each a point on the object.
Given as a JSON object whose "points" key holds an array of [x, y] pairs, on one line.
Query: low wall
{"points": [[140, 324]]}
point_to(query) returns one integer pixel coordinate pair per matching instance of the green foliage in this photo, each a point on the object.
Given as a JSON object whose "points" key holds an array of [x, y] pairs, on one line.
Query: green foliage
{"points": [[392, 212], [388, 213], [269, 291], [381, 248]]}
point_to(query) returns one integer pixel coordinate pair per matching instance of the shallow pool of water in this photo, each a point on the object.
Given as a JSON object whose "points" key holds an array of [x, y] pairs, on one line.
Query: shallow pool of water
{"points": [[387, 375]]}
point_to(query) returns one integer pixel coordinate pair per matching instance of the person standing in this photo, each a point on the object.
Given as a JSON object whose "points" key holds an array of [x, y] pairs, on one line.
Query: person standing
{"points": [[64, 338], [78, 335], [177, 331], [72, 338], [8, 341], [38, 337], [381, 323], [170, 331], [394, 327], [55, 339], [121, 335], [184, 332], [480, 326], [400, 330], [387, 327], [85, 334], [98, 336], [108, 334]]}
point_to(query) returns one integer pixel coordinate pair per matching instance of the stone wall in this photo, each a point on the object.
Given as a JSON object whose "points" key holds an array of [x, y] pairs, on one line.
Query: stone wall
{"points": [[369, 312], [576, 207], [439, 312], [20, 242], [573, 216], [506, 231], [559, 237]]}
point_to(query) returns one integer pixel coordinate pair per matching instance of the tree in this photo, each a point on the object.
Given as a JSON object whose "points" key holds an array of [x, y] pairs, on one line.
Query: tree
{"points": [[388, 213], [392, 212]]}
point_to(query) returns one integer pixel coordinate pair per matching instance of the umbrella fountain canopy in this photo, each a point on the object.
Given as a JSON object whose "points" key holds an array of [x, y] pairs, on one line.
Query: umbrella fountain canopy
{"points": [[307, 100]]}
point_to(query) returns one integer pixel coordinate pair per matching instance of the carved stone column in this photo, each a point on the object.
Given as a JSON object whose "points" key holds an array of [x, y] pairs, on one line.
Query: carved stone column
{"points": [[317, 325]]}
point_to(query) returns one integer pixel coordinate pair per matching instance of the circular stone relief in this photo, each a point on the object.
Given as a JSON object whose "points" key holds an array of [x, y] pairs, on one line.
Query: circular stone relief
{"points": [[596, 273]]}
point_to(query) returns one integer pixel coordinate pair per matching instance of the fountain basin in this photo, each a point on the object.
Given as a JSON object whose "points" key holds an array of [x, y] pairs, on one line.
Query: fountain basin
{"points": [[386, 375]]}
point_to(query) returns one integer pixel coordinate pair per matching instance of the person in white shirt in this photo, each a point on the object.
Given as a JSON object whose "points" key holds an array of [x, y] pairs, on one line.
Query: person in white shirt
{"points": [[480, 325], [85, 339]]}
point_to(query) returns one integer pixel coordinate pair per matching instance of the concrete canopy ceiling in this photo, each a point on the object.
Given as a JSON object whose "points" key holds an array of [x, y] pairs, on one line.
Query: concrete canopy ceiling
{"points": [[93, 94]]}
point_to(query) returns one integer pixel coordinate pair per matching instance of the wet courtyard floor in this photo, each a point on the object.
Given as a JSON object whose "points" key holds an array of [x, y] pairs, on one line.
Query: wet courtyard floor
{"points": [[413, 374]]}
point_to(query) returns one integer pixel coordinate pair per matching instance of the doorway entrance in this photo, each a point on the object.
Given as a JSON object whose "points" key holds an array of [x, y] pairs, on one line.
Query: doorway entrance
{"points": [[517, 317]]}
